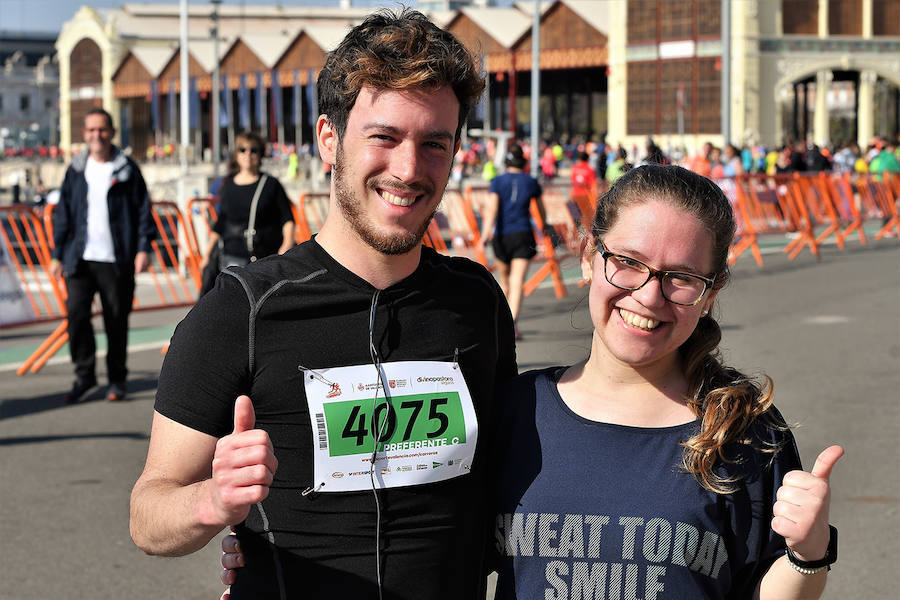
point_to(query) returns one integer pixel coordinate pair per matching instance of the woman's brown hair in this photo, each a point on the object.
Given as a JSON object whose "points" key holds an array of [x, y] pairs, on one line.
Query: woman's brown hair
{"points": [[727, 402]]}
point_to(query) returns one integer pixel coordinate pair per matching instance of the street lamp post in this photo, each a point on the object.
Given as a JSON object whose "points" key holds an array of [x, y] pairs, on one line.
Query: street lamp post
{"points": [[215, 129]]}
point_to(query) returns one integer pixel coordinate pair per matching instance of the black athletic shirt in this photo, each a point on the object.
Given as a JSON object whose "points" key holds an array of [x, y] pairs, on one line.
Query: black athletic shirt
{"points": [[309, 310], [272, 212]]}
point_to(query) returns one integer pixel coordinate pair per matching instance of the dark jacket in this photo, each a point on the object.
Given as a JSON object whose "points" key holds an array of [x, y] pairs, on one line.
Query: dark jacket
{"points": [[130, 220]]}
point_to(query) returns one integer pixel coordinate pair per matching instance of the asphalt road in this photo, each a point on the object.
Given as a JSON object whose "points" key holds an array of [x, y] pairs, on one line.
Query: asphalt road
{"points": [[828, 332]]}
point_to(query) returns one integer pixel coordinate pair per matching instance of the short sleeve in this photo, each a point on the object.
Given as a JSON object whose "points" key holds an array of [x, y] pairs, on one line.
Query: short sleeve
{"points": [[283, 202], [753, 545], [222, 209], [206, 366]]}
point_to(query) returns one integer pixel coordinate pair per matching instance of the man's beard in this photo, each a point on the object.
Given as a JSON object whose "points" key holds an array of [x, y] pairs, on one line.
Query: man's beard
{"points": [[391, 244]]}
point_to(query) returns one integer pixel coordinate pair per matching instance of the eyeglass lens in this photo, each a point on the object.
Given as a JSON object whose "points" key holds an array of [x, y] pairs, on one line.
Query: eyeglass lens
{"points": [[680, 288]]}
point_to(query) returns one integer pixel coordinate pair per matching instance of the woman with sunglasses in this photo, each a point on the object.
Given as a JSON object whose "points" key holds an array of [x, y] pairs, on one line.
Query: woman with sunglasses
{"points": [[652, 470], [254, 217]]}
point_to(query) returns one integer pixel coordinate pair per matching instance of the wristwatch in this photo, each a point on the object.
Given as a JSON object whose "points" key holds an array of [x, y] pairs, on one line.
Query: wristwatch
{"points": [[810, 567]]}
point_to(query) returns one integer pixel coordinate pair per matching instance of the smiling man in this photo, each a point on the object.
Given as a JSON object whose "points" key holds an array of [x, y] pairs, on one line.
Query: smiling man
{"points": [[364, 366]]}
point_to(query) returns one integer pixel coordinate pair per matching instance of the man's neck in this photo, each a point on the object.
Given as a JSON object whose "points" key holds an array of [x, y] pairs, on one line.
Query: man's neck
{"points": [[379, 269]]}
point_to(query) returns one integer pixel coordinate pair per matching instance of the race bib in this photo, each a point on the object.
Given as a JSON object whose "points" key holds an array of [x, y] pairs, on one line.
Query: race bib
{"points": [[419, 413]]}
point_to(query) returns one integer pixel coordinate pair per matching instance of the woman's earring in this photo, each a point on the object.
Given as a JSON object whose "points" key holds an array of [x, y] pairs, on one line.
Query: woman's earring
{"points": [[704, 313]]}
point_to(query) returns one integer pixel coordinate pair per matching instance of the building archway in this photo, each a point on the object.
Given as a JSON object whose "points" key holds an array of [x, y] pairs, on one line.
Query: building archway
{"points": [[86, 83], [856, 105]]}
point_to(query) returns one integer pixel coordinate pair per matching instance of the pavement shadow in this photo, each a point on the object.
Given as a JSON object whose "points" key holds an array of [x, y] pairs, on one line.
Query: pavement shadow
{"points": [[18, 407], [38, 439], [779, 263]]}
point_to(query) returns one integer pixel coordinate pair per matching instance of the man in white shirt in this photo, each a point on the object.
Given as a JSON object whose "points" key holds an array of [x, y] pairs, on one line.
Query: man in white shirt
{"points": [[102, 229]]}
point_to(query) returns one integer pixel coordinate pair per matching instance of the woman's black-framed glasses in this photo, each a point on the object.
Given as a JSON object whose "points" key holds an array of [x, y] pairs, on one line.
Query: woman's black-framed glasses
{"points": [[678, 287], [250, 149]]}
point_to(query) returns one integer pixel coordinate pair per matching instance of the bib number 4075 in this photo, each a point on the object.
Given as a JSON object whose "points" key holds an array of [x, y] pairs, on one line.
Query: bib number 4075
{"points": [[406, 423]]}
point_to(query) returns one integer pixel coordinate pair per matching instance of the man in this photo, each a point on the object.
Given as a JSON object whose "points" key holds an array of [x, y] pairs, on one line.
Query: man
{"points": [[358, 468], [102, 229]]}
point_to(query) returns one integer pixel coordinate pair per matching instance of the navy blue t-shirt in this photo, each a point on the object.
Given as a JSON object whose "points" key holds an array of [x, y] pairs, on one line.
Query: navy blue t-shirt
{"points": [[515, 191], [594, 510]]}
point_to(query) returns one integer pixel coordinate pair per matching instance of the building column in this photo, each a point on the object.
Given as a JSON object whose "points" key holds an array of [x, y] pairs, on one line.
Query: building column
{"points": [[867, 18], [823, 19], [617, 81], [821, 132], [865, 110], [65, 104]]}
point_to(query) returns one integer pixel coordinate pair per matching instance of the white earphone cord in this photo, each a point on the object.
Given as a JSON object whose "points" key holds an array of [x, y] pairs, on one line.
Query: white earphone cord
{"points": [[376, 360]]}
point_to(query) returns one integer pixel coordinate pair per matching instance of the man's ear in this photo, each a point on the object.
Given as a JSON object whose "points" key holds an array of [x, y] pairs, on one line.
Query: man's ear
{"points": [[327, 139]]}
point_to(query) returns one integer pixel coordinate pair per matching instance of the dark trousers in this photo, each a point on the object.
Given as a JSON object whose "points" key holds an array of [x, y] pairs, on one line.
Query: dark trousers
{"points": [[116, 290]]}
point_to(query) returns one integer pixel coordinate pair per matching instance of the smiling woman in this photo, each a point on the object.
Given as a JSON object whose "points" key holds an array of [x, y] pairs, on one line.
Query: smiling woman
{"points": [[674, 457]]}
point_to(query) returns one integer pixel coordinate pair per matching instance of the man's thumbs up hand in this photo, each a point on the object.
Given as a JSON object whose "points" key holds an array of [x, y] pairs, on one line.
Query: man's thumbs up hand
{"points": [[801, 511], [243, 466]]}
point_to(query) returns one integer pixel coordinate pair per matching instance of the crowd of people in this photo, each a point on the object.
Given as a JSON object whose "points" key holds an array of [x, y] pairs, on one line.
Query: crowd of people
{"points": [[611, 162]]}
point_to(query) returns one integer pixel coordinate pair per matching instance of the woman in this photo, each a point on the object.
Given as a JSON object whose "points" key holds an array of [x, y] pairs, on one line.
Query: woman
{"points": [[246, 188], [650, 466], [507, 223], [733, 164], [651, 470]]}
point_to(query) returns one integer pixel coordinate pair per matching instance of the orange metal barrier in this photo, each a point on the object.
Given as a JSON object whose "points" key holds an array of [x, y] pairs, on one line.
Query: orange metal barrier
{"points": [[204, 210], [457, 222], [551, 264], [27, 248], [879, 201], [174, 241], [842, 192], [812, 207], [309, 215]]}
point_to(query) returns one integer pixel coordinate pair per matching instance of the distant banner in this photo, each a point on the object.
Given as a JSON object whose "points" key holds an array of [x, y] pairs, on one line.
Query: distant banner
{"points": [[224, 103], [195, 104], [243, 104], [261, 117], [312, 99], [297, 100], [276, 100], [154, 105], [171, 102]]}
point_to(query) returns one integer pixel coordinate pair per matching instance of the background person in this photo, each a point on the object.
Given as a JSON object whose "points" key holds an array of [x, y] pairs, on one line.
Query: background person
{"points": [[584, 179], [506, 222], [651, 464], [102, 229], [274, 221]]}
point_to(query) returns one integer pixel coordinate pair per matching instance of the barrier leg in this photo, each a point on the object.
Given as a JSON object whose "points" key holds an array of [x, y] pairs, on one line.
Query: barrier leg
{"points": [[60, 341], [51, 339]]}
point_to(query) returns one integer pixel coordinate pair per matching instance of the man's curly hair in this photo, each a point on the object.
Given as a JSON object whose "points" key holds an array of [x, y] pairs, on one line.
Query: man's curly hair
{"points": [[396, 51]]}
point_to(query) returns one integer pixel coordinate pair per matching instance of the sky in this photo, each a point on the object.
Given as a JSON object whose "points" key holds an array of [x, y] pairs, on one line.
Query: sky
{"points": [[47, 16]]}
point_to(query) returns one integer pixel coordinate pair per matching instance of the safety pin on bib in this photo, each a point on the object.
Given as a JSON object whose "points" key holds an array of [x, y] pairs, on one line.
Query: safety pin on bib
{"points": [[313, 374]]}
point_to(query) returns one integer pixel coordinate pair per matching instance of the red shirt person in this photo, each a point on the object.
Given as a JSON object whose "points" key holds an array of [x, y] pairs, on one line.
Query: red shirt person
{"points": [[584, 180]]}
